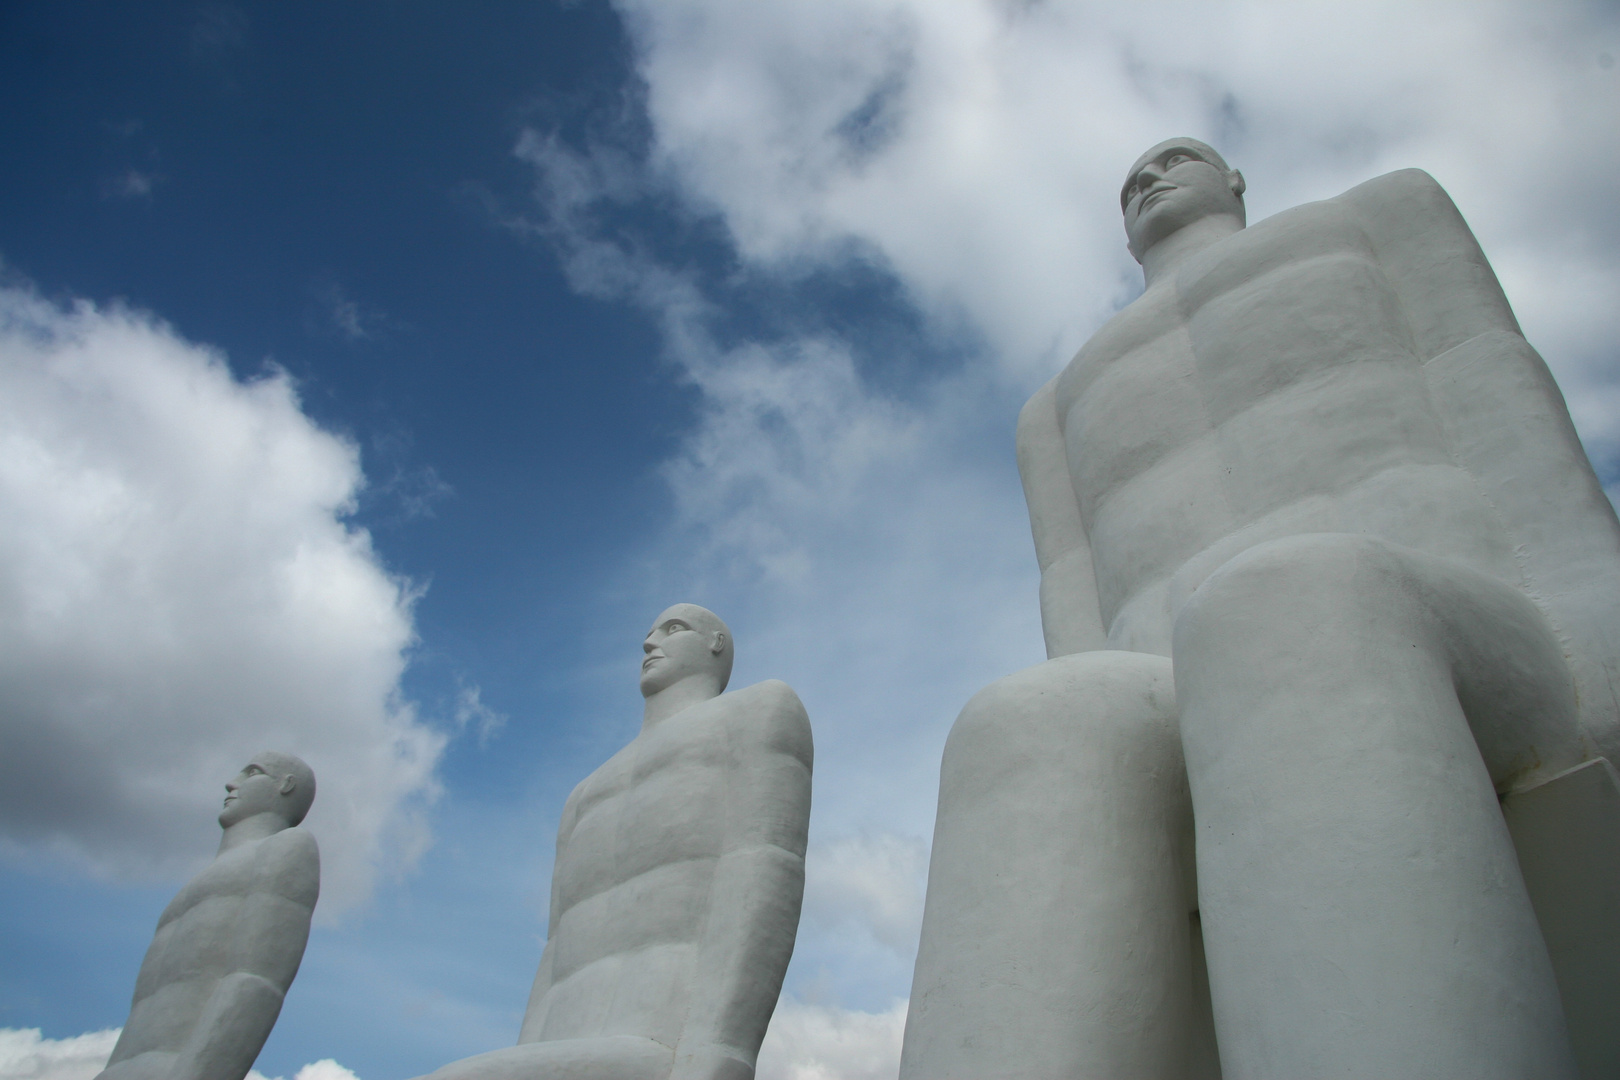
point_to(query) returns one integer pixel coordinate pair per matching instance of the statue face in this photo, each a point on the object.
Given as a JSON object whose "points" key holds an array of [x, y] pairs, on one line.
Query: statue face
{"points": [[679, 644], [255, 790], [1172, 186]]}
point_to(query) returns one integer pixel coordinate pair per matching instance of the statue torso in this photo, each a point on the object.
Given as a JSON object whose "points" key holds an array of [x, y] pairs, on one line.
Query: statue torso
{"points": [[633, 875], [1270, 387], [200, 937]]}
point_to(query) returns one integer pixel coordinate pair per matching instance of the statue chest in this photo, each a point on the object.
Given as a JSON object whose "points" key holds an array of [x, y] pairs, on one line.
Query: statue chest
{"points": [[660, 800], [1276, 369]]}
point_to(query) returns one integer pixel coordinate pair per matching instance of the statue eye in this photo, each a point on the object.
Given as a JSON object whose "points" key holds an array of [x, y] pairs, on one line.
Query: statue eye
{"points": [[1176, 159]]}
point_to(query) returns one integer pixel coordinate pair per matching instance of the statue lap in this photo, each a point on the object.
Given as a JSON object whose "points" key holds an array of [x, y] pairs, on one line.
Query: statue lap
{"points": [[613, 1057]]}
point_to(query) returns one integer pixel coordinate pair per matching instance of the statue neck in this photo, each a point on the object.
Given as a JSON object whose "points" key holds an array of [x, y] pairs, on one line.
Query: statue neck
{"points": [[250, 830], [690, 691], [1167, 256]]}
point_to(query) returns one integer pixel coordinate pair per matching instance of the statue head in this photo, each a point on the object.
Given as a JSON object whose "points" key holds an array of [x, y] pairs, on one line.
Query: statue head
{"points": [[1173, 185], [685, 641], [270, 783]]}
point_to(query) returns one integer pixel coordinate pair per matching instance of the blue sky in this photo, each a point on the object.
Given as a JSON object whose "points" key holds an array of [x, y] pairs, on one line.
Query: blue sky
{"points": [[377, 372]]}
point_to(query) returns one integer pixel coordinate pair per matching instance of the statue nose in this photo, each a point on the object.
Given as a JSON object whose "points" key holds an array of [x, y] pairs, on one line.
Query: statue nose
{"points": [[647, 646]]}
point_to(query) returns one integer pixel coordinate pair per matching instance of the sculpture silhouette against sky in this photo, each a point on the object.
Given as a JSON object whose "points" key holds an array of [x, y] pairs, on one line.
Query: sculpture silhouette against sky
{"points": [[679, 875], [1325, 569], [229, 944]]}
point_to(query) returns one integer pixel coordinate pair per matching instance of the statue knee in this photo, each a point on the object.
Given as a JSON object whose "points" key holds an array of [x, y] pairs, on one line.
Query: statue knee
{"points": [[1271, 588], [1042, 719]]}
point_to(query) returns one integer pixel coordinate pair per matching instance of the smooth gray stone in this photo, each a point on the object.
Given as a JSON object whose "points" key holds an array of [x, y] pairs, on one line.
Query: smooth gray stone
{"points": [[229, 944], [1567, 832], [1326, 572], [679, 876]]}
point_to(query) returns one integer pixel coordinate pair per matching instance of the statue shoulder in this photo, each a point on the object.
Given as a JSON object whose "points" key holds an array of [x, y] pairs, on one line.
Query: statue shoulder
{"points": [[1398, 193], [1433, 260], [1408, 204], [770, 715], [289, 864], [1037, 420]]}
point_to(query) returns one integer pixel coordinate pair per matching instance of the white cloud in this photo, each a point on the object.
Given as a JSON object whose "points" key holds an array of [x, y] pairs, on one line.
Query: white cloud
{"points": [[354, 321], [325, 1069], [470, 711], [179, 589], [131, 184], [822, 1042], [874, 881], [25, 1055]]}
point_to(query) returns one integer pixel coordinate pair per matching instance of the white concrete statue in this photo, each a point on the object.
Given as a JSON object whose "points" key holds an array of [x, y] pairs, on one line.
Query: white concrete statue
{"points": [[1325, 571], [679, 874], [229, 943]]}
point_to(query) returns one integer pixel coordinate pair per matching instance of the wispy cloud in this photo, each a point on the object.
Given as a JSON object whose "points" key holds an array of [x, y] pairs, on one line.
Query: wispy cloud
{"points": [[347, 316], [131, 184], [871, 882], [824, 1042], [471, 713], [219, 32]]}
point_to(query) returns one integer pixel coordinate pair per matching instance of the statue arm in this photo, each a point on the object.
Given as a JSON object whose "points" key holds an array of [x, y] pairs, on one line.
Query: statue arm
{"points": [[534, 1014], [1507, 423], [273, 929], [758, 888], [1070, 616]]}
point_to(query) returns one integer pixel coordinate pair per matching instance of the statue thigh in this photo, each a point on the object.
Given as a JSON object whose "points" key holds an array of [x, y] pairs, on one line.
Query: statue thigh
{"points": [[1349, 709], [611, 1057], [1055, 939]]}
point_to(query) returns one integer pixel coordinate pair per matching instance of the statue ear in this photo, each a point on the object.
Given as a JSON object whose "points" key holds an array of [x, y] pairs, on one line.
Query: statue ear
{"points": [[1236, 182], [718, 646], [288, 783]]}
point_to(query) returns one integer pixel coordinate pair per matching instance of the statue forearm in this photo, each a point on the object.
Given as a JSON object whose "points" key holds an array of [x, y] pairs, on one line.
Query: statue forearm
{"points": [[232, 1029], [1069, 615], [747, 942], [1069, 618]]}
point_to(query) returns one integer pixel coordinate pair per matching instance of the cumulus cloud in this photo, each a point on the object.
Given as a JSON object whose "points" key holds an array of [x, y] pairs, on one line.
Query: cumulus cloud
{"points": [[325, 1069], [26, 1055], [823, 1042], [179, 589]]}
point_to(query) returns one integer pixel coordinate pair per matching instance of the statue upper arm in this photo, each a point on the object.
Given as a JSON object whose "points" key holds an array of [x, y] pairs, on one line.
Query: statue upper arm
{"points": [[1507, 424], [776, 753], [1070, 617], [277, 914], [1444, 281]]}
